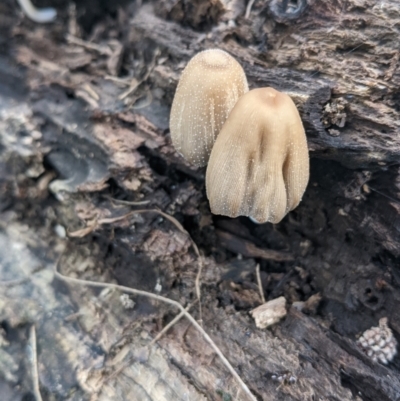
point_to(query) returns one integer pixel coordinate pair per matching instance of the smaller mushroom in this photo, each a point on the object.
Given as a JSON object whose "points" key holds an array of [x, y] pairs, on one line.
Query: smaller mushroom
{"points": [[209, 87], [259, 165]]}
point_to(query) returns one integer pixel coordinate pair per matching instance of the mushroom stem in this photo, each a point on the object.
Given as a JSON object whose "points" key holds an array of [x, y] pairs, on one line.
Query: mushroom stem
{"points": [[42, 15]]}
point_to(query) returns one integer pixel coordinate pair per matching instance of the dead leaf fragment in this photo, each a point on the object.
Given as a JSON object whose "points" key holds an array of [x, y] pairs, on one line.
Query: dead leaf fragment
{"points": [[269, 313], [310, 306]]}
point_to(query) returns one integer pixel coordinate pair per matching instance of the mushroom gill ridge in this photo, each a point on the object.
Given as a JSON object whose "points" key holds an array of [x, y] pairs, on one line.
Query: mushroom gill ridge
{"points": [[259, 165]]}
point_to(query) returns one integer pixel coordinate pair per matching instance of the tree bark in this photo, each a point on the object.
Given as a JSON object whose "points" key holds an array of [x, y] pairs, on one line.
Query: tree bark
{"points": [[84, 141]]}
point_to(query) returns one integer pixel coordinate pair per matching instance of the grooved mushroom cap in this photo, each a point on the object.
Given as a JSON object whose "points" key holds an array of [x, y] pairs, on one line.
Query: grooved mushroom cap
{"points": [[259, 165], [209, 87]]}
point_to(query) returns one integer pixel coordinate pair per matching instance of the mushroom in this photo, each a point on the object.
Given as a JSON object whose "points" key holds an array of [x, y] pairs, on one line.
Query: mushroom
{"points": [[259, 165], [209, 87]]}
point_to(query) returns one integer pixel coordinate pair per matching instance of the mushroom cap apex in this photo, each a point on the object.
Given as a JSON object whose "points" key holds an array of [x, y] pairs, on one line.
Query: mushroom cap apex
{"points": [[208, 89], [214, 58]]}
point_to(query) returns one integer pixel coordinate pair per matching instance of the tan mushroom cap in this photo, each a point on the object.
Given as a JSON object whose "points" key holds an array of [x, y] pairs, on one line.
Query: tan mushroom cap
{"points": [[259, 165], [209, 87]]}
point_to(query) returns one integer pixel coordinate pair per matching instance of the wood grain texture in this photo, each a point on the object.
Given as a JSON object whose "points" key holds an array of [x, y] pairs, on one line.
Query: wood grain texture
{"points": [[74, 150]]}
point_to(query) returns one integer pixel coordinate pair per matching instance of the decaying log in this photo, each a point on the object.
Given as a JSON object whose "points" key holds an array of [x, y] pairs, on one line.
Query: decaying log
{"points": [[84, 142]]}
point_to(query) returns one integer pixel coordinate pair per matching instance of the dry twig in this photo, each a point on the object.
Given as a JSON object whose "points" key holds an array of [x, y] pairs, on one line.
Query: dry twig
{"points": [[104, 50], [97, 223], [170, 324], [135, 83], [260, 288], [129, 203], [35, 374], [89, 89], [152, 342], [120, 81], [170, 302], [248, 9]]}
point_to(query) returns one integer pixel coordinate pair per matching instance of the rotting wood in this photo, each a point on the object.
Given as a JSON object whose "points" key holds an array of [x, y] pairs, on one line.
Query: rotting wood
{"points": [[339, 62]]}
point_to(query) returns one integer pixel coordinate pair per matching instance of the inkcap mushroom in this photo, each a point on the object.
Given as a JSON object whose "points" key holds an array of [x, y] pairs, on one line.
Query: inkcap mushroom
{"points": [[259, 165], [209, 87]]}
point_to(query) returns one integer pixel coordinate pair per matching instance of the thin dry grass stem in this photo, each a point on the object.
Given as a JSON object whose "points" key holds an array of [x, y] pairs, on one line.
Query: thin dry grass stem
{"points": [[104, 50], [135, 84], [114, 374], [124, 82], [384, 195], [248, 9], [97, 223], [170, 302], [12, 283], [198, 286], [149, 100], [89, 89], [170, 324], [260, 288], [129, 203], [84, 231], [196, 250], [35, 374], [152, 342], [199, 258]]}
